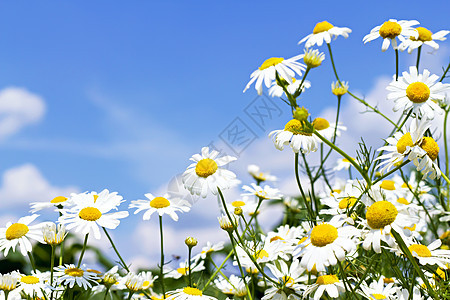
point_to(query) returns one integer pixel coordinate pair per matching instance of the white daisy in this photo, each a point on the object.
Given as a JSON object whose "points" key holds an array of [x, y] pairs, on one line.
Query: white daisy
{"points": [[313, 58], [35, 285], [89, 211], [277, 91], [207, 174], [149, 280], [390, 30], [431, 254], [342, 163], [233, 286], [59, 201], [133, 282], [424, 156], [255, 172], [265, 192], [339, 88], [404, 294], [286, 68], [161, 205], [247, 204], [328, 283], [327, 129], [54, 234], [297, 135], [188, 293], [69, 275], [20, 234], [9, 281], [425, 37], [183, 269], [324, 31], [377, 290], [289, 277], [208, 249], [325, 244], [417, 92]]}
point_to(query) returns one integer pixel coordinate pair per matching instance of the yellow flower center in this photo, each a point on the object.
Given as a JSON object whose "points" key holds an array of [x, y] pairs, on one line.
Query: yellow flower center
{"points": [[388, 185], [431, 147], [388, 280], [403, 142], [322, 26], [90, 214], [320, 124], [347, 202], [182, 270], [402, 200], [16, 230], [238, 203], [58, 199], [271, 62], [296, 127], [159, 202], [192, 291], [327, 279], [420, 250], [424, 35], [288, 280], [206, 167], [261, 254], [29, 279], [390, 30], [74, 272], [418, 92], [323, 234], [380, 214], [276, 238], [440, 273], [379, 296], [146, 284]]}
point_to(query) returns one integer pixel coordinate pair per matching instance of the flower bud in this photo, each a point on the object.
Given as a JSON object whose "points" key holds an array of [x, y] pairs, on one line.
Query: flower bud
{"points": [[339, 89], [313, 58], [238, 211], [190, 242], [301, 114]]}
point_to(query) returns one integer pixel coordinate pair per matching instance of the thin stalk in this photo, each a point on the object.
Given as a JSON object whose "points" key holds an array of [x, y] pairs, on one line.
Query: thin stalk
{"points": [[161, 271], [418, 57], [239, 265], [61, 253], [106, 293], [189, 263], [52, 265], [445, 142], [344, 278], [312, 194], [332, 63], [297, 177], [217, 270], [33, 265], [83, 250], [131, 295], [396, 64], [115, 249], [445, 73]]}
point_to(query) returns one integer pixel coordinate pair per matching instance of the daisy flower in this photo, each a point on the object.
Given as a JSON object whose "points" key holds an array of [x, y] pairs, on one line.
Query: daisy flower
{"points": [[133, 282], [35, 284], [59, 201], [297, 135], [89, 211], [208, 249], [54, 234], [263, 193], [20, 234], [69, 275], [328, 283], [404, 294], [183, 269], [161, 205], [342, 163], [277, 91], [207, 174], [425, 37], [377, 290], [339, 88], [424, 156], [417, 91], [400, 145], [188, 293], [326, 129], [324, 31], [325, 244], [258, 175], [289, 277], [233, 286], [381, 217], [247, 205], [313, 58], [431, 254], [286, 68], [9, 281], [390, 30]]}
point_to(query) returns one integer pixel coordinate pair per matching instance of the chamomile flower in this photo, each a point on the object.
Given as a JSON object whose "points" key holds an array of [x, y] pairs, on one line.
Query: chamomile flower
{"points": [[325, 283], [424, 157], [209, 249], [288, 276], [340, 201], [313, 58], [381, 217], [247, 204], [69, 275], [55, 202], [425, 37], [207, 174], [404, 294], [34, 284], [327, 129], [233, 286], [297, 135], [324, 31], [277, 91], [161, 205], [325, 244], [377, 290], [339, 88], [390, 30], [400, 145], [417, 92], [188, 293], [258, 175], [431, 254], [20, 233], [54, 234], [89, 211], [265, 192], [342, 163], [134, 282], [183, 269], [286, 68], [149, 280], [9, 281]]}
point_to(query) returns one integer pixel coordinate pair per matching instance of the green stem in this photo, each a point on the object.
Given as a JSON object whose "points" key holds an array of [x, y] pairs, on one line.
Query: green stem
{"points": [[115, 249], [106, 293], [297, 177], [396, 64], [83, 250], [189, 263], [61, 253], [33, 265], [131, 295], [418, 57], [161, 271], [298, 92], [52, 265], [445, 73], [239, 265], [217, 270], [332, 63]]}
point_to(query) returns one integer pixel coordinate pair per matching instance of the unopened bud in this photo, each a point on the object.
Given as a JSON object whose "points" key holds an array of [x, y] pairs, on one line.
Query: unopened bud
{"points": [[190, 242], [238, 211], [301, 114]]}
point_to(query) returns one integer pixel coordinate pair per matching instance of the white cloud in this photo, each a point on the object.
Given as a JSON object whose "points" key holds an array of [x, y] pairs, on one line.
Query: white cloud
{"points": [[25, 184], [18, 108]]}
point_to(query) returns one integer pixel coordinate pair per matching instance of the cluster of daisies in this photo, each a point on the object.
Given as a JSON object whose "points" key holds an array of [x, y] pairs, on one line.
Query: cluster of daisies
{"points": [[381, 234]]}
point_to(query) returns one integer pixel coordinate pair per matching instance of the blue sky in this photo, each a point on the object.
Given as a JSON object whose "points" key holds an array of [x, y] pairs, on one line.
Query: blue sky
{"points": [[133, 89]]}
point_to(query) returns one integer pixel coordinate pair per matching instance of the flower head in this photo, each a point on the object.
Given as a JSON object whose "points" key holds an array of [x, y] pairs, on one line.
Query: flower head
{"points": [[69, 275], [161, 205], [324, 31], [426, 37], [390, 30], [297, 135]]}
